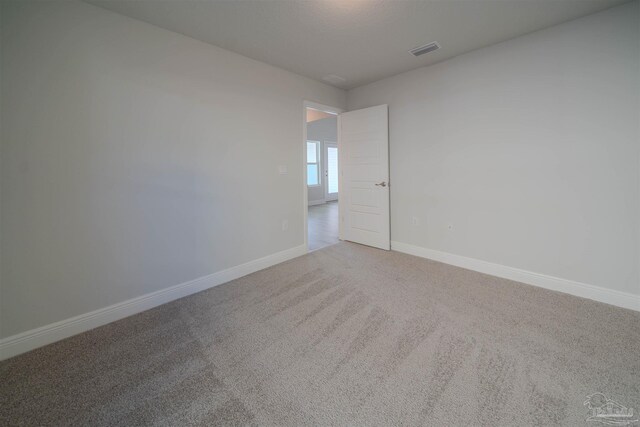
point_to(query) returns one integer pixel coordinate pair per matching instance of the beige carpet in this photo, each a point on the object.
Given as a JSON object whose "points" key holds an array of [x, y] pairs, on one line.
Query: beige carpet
{"points": [[346, 335]]}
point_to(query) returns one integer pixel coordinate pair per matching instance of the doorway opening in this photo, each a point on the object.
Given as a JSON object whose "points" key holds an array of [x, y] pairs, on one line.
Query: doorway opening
{"points": [[321, 181]]}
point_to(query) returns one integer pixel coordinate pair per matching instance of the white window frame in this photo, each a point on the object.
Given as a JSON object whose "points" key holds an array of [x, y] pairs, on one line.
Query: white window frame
{"points": [[318, 163]]}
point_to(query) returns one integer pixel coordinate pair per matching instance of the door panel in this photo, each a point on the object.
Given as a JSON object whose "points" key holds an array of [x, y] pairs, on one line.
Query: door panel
{"points": [[364, 176]]}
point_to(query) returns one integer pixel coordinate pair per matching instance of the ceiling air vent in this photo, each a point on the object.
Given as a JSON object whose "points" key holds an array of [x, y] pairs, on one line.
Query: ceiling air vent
{"points": [[334, 79], [421, 50]]}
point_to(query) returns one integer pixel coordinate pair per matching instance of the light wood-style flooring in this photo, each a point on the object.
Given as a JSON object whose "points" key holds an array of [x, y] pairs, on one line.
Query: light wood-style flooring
{"points": [[323, 225]]}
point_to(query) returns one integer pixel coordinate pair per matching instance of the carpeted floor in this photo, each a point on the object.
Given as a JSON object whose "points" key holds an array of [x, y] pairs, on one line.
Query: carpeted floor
{"points": [[347, 335]]}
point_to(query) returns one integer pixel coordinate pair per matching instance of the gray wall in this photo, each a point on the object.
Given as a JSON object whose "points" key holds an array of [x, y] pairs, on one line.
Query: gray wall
{"points": [[324, 130], [529, 148], [134, 159]]}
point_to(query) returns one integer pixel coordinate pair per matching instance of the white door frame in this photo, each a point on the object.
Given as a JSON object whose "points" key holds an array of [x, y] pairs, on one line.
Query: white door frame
{"points": [[305, 192]]}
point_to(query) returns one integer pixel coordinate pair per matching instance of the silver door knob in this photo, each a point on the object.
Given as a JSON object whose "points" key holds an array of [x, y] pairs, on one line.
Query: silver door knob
{"points": [[381, 184]]}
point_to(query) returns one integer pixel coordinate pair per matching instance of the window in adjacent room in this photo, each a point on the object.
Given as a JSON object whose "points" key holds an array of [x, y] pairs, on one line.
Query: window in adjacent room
{"points": [[313, 163]]}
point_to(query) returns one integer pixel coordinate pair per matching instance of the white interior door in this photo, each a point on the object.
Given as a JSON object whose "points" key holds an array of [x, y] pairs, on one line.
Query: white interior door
{"points": [[363, 138], [331, 172]]}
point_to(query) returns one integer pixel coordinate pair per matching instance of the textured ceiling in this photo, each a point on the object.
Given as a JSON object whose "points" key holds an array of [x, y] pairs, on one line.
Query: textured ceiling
{"points": [[358, 40]]}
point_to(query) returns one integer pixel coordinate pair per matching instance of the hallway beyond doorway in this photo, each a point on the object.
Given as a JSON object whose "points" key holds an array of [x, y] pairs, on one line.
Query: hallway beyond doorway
{"points": [[323, 225]]}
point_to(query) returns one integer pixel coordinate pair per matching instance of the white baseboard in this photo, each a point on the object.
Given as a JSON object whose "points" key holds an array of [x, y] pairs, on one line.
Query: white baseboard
{"points": [[609, 296], [29, 340], [317, 202]]}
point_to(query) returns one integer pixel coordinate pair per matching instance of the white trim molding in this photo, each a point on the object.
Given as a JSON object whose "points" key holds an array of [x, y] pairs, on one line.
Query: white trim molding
{"points": [[608, 296], [29, 340], [317, 202]]}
